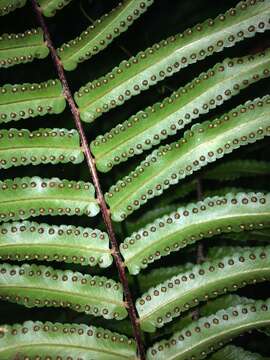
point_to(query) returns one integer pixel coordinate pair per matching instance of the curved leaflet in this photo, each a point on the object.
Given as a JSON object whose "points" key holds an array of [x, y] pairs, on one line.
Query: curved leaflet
{"points": [[22, 48], [50, 7], [203, 143], [22, 101], [157, 122], [64, 341], [210, 333], [54, 146], [162, 303], [103, 31], [22, 241], [39, 286], [212, 216], [22, 198], [7, 6], [169, 56]]}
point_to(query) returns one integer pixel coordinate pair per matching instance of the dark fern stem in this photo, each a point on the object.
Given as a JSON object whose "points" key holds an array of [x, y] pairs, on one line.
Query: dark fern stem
{"points": [[92, 169]]}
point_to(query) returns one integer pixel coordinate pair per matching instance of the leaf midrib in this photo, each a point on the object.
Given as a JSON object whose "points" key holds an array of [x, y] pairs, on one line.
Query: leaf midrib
{"points": [[88, 296], [39, 147], [49, 198], [54, 245]]}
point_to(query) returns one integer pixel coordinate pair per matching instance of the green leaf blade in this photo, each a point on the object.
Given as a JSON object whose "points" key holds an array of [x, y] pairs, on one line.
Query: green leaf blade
{"points": [[44, 146], [210, 333], [22, 101], [22, 48], [212, 216], [22, 241], [39, 286], [22, 198], [162, 303]]}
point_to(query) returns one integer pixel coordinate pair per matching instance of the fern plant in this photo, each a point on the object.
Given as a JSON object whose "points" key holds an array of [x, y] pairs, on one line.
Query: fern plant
{"points": [[148, 183]]}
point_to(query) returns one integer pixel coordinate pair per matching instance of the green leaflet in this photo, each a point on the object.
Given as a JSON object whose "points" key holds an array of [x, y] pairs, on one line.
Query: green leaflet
{"points": [[156, 276], [149, 127], [169, 56], [210, 333], [22, 48], [230, 213], [203, 143], [63, 341], [22, 198], [232, 352], [234, 169], [99, 35], [50, 7], [22, 101], [207, 309], [162, 303], [151, 215], [6, 6], [39, 286], [26, 240], [22, 147]]}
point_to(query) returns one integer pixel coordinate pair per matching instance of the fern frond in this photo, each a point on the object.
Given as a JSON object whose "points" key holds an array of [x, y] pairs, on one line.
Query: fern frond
{"points": [[54, 146], [63, 341], [6, 6], [99, 35], [169, 56], [203, 143], [50, 7], [231, 213], [149, 127], [232, 352], [22, 198], [39, 286], [208, 334], [22, 48], [22, 101], [162, 303], [26, 240]]}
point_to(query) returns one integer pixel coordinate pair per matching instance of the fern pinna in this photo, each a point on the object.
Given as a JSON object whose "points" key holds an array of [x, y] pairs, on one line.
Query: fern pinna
{"points": [[134, 195]]}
